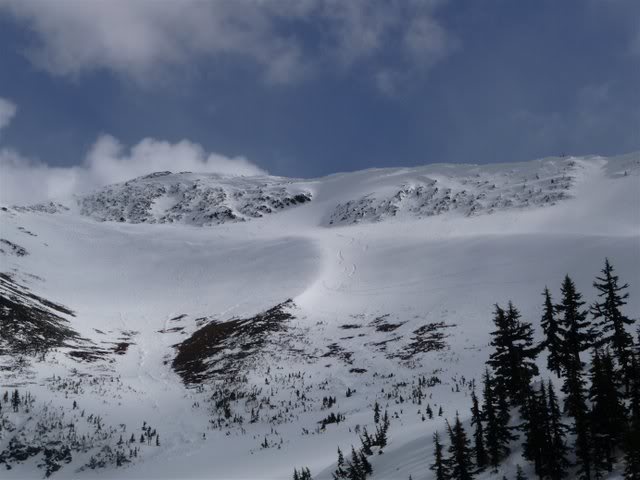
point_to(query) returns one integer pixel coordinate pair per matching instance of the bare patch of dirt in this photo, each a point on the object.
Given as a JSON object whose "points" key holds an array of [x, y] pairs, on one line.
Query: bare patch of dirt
{"points": [[89, 354], [9, 247], [338, 351], [219, 348], [121, 348], [358, 370], [427, 338], [30, 324], [382, 324], [349, 326]]}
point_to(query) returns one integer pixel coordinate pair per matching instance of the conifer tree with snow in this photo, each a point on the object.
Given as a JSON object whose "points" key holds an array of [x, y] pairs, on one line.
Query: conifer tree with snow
{"points": [[556, 459], [459, 460], [578, 336], [480, 453], [607, 412], [355, 470], [576, 407], [364, 462], [513, 358], [15, 400], [380, 438], [535, 425], [367, 442], [439, 466], [520, 473], [553, 340], [547, 450], [577, 332], [497, 434], [631, 445], [340, 471], [610, 320], [303, 474]]}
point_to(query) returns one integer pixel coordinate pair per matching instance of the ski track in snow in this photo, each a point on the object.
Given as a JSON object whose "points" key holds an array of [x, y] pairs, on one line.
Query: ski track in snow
{"points": [[121, 277]]}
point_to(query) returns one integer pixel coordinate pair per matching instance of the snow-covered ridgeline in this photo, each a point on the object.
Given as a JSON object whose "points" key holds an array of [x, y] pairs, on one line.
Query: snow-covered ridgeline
{"points": [[368, 196]]}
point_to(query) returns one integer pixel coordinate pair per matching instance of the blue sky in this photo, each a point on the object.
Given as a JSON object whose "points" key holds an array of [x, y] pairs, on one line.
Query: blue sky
{"points": [[311, 87]]}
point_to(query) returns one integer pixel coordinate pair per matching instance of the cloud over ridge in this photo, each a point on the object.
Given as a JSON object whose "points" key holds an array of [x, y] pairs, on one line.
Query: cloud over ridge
{"points": [[24, 180]]}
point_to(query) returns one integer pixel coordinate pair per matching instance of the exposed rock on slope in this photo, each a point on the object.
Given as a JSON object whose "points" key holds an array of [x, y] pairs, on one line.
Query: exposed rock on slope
{"points": [[475, 191], [187, 198], [29, 323], [219, 348]]}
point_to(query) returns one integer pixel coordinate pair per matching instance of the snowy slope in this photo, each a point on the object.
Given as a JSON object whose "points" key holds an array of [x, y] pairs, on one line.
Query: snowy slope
{"points": [[368, 196], [378, 264]]}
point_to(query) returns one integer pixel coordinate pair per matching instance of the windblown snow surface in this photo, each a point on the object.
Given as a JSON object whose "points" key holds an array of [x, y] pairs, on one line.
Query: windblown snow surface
{"points": [[373, 263]]}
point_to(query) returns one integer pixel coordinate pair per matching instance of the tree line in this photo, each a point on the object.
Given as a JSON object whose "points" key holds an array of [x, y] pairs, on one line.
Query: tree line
{"points": [[599, 419]]}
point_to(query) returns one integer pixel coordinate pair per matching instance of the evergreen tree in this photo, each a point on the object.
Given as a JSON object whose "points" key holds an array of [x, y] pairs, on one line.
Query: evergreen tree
{"points": [[553, 340], [544, 432], [631, 444], [582, 445], [607, 412], [367, 442], [438, 466], [340, 471], [577, 332], [497, 435], [535, 426], [354, 468], [381, 432], [575, 406], [556, 457], [520, 473], [459, 460], [366, 466], [500, 359], [513, 358], [429, 411], [478, 433], [577, 337], [610, 320], [503, 410], [15, 400]]}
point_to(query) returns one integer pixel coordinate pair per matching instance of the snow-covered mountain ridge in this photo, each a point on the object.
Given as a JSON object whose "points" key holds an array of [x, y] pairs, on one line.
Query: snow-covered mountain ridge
{"points": [[205, 200], [223, 312]]}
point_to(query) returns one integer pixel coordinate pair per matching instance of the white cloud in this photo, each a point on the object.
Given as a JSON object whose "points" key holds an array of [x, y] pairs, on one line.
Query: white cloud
{"points": [[141, 38], [25, 181], [109, 162], [427, 41], [7, 112], [136, 38]]}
